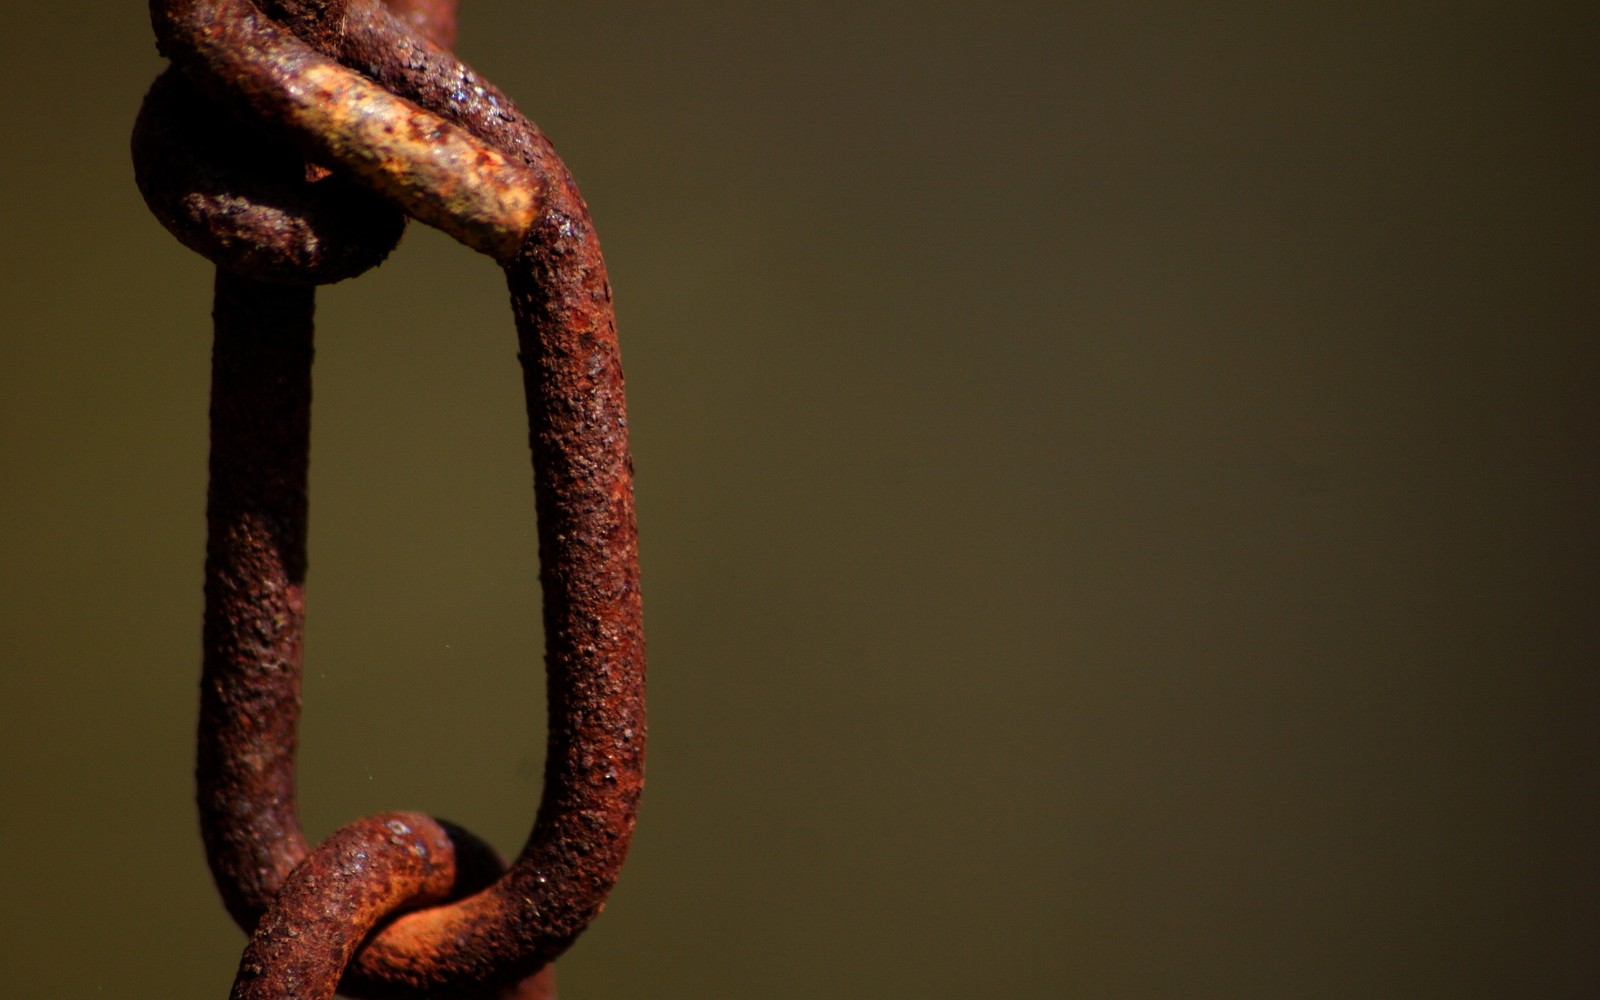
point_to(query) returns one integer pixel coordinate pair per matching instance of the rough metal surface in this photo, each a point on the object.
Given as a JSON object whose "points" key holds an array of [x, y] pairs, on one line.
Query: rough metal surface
{"points": [[366, 871], [251, 203], [474, 934], [254, 588], [247, 203], [435, 171]]}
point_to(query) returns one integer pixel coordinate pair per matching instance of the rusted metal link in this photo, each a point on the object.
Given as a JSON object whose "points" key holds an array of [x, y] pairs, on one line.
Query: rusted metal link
{"points": [[248, 203], [254, 205], [255, 614], [506, 933], [377, 866], [367, 871], [434, 170]]}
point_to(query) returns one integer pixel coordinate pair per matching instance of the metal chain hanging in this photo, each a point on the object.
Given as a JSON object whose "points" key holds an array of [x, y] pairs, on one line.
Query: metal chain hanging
{"points": [[259, 148]]}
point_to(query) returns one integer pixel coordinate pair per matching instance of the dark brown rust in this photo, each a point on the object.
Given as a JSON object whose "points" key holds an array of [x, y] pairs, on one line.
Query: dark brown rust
{"points": [[255, 605], [250, 689], [360, 876], [594, 643], [254, 589], [436, 171], [247, 203], [253, 205]]}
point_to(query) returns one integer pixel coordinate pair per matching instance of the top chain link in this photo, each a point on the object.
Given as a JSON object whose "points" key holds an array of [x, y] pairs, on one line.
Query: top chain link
{"points": [[331, 99]]}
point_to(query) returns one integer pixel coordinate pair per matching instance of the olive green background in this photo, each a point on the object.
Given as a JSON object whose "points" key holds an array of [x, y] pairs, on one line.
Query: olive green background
{"points": [[1117, 489]]}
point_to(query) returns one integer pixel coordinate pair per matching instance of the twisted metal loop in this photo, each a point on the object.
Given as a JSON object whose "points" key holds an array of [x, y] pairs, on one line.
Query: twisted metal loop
{"points": [[355, 86], [249, 204]]}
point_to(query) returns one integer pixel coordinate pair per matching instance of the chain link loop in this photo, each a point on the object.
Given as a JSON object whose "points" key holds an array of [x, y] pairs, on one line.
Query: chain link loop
{"points": [[369, 94]]}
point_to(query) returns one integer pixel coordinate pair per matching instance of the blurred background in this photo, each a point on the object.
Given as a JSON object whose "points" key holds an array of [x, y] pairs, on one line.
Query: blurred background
{"points": [[1117, 489]]}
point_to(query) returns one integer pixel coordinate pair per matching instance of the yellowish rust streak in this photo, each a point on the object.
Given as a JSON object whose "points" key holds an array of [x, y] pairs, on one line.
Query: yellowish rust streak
{"points": [[434, 170]]}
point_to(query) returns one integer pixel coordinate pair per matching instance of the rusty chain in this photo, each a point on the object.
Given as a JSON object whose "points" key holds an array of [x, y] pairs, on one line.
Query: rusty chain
{"points": [[338, 119]]}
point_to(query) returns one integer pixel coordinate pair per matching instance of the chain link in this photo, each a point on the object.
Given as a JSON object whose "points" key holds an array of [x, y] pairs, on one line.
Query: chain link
{"points": [[329, 100]]}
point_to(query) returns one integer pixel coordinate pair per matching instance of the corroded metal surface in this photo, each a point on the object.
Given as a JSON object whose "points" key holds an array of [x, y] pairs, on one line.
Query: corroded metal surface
{"points": [[435, 171], [253, 204], [254, 588], [366, 871], [468, 933], [248, 203]]}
